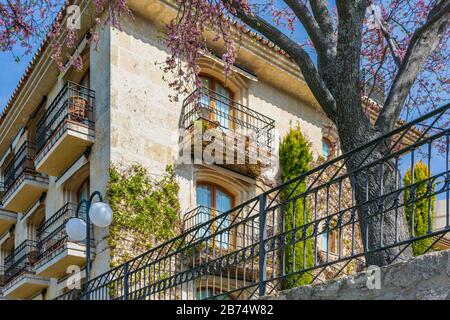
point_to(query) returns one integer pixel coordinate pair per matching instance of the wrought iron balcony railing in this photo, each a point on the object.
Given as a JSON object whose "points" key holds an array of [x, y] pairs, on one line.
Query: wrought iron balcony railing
{"points": [[293, 218], [73, 104], [52, 234], [21, 260], [20, 165], [219, 112], [239, 237], [2, 193]]}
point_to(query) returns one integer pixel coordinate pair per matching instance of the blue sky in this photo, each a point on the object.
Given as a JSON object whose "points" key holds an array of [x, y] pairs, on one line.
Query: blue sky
{"points": [[10, 73]]}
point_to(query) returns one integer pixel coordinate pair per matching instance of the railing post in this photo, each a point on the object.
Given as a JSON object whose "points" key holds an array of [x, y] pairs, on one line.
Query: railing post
{"points": [[262, 237], [125, 279]]}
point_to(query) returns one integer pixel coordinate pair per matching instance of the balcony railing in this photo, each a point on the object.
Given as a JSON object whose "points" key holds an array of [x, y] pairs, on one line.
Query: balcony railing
{"points": [[219, 112], [242, 236], [21, 260], [287, 254], [52, 233], [2, 193], [73, 104], [20, 166]]}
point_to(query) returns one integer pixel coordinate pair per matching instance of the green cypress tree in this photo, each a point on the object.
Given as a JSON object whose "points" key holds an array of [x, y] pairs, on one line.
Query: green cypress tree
{"points": [[295, 158], [421, 173]]}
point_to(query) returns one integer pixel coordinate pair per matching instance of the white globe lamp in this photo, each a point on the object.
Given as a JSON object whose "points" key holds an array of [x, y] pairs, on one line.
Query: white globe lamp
{"points": [[76, 229], [100, 214]]}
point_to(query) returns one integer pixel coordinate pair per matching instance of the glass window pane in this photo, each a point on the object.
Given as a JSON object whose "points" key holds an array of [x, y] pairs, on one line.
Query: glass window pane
{"points": [[223, 108], [205, 99], [325, 149], [204, 214], [223, 204]]}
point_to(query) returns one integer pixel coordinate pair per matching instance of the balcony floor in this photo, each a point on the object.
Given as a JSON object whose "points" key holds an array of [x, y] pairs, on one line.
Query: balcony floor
{"points": [[56, 263], [24, 286], [63, 149], [7, 219], [29, 190]]}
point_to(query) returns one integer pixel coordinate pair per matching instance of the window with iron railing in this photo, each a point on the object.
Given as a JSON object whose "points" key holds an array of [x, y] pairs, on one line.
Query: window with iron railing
{"points": [[52, 234], [21, 260], [74, 103], [2, 193], [217, 110], [21, 163]]}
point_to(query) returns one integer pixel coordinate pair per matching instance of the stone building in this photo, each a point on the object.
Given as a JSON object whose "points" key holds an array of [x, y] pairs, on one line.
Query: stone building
{"points": [[61, 131]]}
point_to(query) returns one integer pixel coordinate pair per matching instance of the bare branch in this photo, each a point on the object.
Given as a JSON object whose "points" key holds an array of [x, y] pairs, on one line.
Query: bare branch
{"points": [[423, 42], [297, 53], [323, 17], [393, 46], [312, 27]]}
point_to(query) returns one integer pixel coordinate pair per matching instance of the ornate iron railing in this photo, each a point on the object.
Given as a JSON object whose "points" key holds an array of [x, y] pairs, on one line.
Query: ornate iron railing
{"points": [[295, 222], [52, 234], [2, 193], [73, 104], [217, 111], [21, 260], [19, 167]]}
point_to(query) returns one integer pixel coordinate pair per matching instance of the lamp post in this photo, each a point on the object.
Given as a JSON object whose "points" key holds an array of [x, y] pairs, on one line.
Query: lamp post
{"points": [[100, 214]]}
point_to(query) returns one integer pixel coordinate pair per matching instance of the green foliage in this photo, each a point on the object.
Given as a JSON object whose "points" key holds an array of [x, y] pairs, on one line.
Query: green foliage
{"points": [[146, 211], [295, 158], [421, 207]]}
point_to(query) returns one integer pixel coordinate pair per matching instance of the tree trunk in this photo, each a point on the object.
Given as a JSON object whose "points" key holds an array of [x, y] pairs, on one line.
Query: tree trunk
{"points": [[382, 222]]}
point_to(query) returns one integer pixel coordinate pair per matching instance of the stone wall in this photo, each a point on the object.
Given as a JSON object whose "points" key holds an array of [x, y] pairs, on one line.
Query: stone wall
{"points": [[425, 278]]}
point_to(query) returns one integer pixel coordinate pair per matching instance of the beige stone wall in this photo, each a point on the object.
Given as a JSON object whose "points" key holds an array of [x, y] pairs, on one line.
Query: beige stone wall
{"points": [[140, 104], [426, 277]]}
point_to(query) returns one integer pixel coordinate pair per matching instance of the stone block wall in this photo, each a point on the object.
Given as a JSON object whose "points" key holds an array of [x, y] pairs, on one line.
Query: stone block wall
{"points": [[426, 277]]}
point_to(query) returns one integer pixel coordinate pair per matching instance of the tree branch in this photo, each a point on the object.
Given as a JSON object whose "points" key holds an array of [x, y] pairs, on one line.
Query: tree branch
{"points": [[323, 17], [392, 44], [312, 27], [423, 42], [295, 51]]}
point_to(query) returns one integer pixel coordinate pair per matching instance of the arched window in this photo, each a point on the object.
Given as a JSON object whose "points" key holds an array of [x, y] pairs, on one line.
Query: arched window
{"points": [[330, 239], [214, 200], [326, 149], [217, 102], [83, 191]]}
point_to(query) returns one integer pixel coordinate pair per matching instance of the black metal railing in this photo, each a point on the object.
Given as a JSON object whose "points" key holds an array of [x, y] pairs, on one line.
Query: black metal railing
{"points": [[217, 111], [2, 193], [245, 234], [73, 104], [295, 222], [52, 234], [19, 167], [20, 260]]}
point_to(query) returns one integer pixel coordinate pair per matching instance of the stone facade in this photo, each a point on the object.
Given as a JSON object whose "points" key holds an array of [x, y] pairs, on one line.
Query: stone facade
{"points": [[426, 277], [136, 122]]}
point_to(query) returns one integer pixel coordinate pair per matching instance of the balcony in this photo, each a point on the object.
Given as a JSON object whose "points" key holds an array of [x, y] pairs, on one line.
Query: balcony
{"points": [[20, 280], [222, 238], [23, 185], [247, 135], [7, 218], [57, 251], [65, 130]]}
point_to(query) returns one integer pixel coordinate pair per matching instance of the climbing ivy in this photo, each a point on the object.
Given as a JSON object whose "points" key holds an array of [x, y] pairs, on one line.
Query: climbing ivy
{"points": [[146, 211], [421, 206], [295, 158]]}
